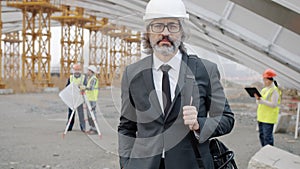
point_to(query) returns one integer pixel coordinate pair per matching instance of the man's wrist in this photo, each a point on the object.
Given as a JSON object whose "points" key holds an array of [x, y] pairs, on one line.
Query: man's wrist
{"points": [[196, 126]]}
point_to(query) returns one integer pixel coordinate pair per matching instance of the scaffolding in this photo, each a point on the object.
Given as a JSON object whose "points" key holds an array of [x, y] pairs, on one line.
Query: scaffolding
{"points": [[117, 52], [98, 48], [97, 56], [72, 40], [111, 49], [133, 48], [2, 85], [36, 39], [12, 57]]}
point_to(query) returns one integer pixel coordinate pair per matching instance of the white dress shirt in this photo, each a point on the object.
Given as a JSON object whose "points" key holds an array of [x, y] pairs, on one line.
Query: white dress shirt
{"points": [[175, 63]]}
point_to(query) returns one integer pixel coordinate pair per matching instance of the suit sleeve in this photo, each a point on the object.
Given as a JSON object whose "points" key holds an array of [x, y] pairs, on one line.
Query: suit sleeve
{"points": [[68, 82], [127, 126], [85, 80], [218, 118]]}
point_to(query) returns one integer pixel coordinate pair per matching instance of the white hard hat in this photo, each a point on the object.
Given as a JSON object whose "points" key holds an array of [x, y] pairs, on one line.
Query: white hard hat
{"points": [[92, 68], [165, 9]]}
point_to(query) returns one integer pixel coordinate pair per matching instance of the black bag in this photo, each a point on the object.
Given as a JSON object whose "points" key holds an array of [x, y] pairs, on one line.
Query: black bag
{"points": [[222, 156]]}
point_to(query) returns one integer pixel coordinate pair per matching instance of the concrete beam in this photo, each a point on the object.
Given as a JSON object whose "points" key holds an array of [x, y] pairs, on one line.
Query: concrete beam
{"points": [[274, 12]]}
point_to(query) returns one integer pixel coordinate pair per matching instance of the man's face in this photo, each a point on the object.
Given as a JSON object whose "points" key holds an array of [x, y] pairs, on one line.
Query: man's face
{"points": [[77, 73], [90, 73], [165, 35]]}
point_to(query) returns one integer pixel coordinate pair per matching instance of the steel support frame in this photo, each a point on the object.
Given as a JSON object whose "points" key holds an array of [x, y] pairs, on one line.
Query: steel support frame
{"points": [[133, 48], [36, 46], [98, 55], [12, 56], [72, 47], [116, 55]]}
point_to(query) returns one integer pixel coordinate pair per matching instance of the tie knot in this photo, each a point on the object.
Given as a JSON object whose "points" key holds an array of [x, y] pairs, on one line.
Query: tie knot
{"points": [[165, 68]]}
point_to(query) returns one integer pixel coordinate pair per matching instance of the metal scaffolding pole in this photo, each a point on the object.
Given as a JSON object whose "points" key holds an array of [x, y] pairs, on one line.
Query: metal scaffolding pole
{"points": [[12, 57], [2, 85]]}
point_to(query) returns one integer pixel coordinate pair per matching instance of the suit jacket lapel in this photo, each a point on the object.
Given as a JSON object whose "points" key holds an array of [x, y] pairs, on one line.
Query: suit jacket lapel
{"points": [[149, 84], [181, 81]]}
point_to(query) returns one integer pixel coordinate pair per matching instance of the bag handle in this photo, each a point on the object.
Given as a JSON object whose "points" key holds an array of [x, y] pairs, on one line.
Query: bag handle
{"points": [[227, 153], [189, 79], [188, 93]]}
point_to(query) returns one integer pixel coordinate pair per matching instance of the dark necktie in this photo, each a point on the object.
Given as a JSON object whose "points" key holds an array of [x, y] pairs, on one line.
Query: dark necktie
{"points": [[166, 95]]}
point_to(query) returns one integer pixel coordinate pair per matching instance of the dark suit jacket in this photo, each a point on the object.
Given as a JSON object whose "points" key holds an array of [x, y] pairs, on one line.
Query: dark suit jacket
{"points": [[145, 132]]}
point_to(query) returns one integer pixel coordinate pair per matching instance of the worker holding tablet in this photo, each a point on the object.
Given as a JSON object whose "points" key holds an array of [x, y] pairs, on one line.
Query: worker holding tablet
{"points": [[268, 107]]}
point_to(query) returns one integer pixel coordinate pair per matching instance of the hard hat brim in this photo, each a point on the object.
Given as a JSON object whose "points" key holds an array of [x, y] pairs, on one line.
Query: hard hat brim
{"points": [[149, 16]]}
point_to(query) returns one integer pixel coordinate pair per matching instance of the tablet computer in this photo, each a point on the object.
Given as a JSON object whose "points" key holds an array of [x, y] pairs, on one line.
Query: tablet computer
{"points": [[251, 91]]}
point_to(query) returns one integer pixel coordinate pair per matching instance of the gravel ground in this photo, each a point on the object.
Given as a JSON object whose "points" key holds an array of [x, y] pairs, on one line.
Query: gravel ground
{"points": [[31, 127]]}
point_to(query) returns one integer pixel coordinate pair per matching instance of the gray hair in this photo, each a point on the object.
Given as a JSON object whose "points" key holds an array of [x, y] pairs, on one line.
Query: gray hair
{"points": [[147, 48]]}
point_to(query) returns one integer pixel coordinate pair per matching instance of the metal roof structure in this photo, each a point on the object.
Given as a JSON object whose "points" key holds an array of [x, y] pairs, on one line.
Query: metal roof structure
{"points": [[255, 33]]}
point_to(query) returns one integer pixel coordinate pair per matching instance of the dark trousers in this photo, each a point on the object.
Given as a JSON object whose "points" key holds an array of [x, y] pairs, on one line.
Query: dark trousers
{"points": [[72, 121], [266, 133], [90, 119], [81, 118], [162, 164]]}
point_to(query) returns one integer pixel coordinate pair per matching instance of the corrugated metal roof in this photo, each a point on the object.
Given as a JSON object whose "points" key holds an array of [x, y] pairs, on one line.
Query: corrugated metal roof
{"points": [[233, 29]]}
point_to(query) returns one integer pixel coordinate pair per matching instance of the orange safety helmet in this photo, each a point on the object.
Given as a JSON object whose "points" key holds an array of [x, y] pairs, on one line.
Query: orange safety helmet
{"points": [[269, 73], [77, 67]]}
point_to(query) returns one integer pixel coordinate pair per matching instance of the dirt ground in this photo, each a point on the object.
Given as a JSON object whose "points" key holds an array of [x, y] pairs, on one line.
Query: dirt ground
{"points": [[31, 127]]}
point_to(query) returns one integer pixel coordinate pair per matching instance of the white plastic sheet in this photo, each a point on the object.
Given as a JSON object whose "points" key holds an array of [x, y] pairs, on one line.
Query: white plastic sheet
{"points": [[71, 96]]}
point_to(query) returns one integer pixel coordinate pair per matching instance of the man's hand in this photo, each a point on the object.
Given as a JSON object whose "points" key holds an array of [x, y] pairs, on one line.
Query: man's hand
{"points": [[190, 117], [82, 87]]}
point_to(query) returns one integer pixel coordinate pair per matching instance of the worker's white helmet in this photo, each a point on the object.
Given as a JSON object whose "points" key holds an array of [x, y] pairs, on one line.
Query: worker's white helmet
{"points": [[92, 68], [165, 9]]}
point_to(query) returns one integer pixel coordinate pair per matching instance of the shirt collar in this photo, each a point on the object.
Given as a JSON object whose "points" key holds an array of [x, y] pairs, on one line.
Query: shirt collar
{"points": [[174, 62]]}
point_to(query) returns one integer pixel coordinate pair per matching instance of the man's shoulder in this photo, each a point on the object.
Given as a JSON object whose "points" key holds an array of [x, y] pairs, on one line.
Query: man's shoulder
{"points": [[143, 61], [202, 61], [136, 69], [94, 77], [140, 65]]}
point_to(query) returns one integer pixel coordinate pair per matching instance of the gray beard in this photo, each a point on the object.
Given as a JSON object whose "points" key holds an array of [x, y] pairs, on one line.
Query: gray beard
{"points": [[77, 75], [166, 50]]}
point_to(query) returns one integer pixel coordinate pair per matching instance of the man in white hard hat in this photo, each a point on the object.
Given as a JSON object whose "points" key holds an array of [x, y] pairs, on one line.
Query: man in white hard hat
{"points": [[80, 80], [92, 95], [170, 99]]}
